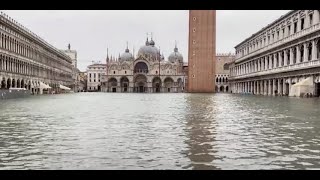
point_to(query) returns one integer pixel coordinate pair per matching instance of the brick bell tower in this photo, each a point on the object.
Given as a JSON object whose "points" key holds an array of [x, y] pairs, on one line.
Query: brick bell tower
{"points": [[202, 51]]}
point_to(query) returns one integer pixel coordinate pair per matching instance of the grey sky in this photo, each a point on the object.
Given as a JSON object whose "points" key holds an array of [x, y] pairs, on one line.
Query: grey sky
{"points": [[91, 32]]}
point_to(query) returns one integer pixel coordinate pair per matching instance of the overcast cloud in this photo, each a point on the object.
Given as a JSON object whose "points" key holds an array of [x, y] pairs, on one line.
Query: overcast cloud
{"points": [[91, 32]]}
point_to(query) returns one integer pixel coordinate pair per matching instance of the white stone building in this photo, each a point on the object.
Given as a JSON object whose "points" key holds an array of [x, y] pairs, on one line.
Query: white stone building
{"points": [[27, 61], [280, 55], [75, 71], [148, 72], [94, 76], [223, 61]]}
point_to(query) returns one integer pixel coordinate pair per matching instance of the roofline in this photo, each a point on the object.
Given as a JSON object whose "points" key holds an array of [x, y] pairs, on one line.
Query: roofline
{"points": [[264, 28]]}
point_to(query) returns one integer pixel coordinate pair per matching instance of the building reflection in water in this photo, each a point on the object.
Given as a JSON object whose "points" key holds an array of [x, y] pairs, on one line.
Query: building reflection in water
{"points": [[200, 131]]}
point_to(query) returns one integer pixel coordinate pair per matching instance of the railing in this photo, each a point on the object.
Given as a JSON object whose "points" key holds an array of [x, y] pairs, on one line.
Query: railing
{"points": [[302, 65], [143, 71], [282, 41]]}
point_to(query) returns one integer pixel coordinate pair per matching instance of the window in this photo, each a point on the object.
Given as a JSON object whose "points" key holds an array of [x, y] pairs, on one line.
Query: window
{"points": [[310, 19], [156, 72], [295, 27], [273, 37], [278, 34], [268, 39], [226, 67], [302, 23], [114, 72], [194, 18], [193, 76], [94, 80], [194, 29], [283, 32], [289, 29], [125, 72], [194, 41]]}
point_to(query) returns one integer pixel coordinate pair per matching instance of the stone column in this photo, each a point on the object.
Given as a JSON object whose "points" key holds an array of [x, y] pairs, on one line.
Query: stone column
{"points": [[280, 59], [266, 63], [269, 87], [279, 87], [314, 50], [262, 87], [285, 58], [298, 54], [274, 88], [316, 17], [305, 53], [265, 91], [254, 87], [291, 56], [275, 61]]}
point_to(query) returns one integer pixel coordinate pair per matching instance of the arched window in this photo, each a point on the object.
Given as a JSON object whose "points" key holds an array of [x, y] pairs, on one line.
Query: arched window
{"points": [[310, 51], [217, 80], [301, 53], [225, 66]]}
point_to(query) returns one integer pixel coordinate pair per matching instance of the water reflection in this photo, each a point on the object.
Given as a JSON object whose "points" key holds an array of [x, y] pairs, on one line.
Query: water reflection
{"points": [[159, 131], [200, 116]]}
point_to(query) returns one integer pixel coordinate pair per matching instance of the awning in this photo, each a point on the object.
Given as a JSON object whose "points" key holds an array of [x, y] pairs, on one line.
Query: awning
{"points": [[44, 86], [64, 87]]}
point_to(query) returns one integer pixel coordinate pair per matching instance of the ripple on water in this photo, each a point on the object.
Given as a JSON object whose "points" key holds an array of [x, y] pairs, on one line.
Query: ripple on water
{"points": [[159, 131]]}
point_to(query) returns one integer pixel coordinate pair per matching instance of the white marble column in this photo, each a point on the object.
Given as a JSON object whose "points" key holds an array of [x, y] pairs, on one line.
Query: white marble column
{"points": [[274, 88], [269, 87], [280, 59], [285, 58], [314, 50], [298, 54], [291, 56], [279, 87], [265, 89], [275, 64], [305, 53], [316, 17]]}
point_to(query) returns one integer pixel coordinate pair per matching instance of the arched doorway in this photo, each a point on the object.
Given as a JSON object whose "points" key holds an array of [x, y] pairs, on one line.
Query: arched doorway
{"points": [[22, 84], [141, 67], [156, 84], [180, 84], [227, 89], [8, 83], [112, 85], [18, 83], [140, 83], [13, 84], [124, 83], [221, 89], [168, 83], [3, 83]]}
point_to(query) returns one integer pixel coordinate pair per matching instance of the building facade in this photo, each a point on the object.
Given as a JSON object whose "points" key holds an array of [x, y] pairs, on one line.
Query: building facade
{"points": [[27, 61], [75, 71], [147, 72], [223, 62], [95, 72], [202, 50], [284, 53]]}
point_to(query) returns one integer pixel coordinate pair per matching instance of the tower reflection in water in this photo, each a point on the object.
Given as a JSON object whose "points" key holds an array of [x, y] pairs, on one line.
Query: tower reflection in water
{"points": [[200, 131]]}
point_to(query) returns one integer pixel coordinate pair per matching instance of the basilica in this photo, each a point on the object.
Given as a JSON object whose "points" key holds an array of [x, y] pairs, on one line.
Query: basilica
{"points": [[147, 72]]}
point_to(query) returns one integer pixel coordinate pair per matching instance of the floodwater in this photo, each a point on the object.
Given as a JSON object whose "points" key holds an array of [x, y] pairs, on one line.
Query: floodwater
{"points": [[159, 131]]}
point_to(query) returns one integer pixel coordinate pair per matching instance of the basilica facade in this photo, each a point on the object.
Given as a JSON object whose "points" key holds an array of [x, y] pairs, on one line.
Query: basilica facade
{"points": [[148, 72]]}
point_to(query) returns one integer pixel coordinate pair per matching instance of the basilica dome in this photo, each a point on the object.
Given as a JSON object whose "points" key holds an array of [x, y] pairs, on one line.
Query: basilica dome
{"points": [[149, 50], [126, 56], [176, 56]]}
